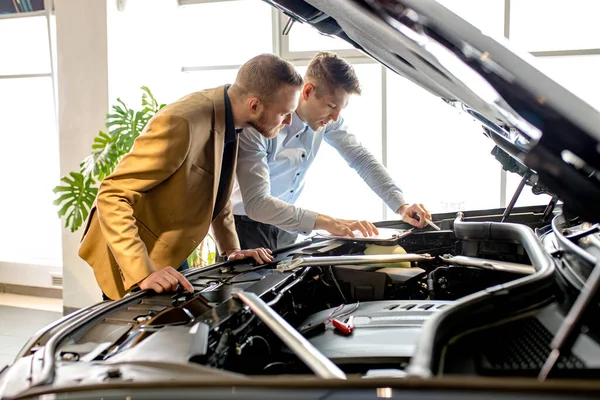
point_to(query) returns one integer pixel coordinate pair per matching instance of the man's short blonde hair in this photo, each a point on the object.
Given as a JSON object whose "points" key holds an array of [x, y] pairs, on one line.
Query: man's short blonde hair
{"points": [[263, 76], [328, 72]]}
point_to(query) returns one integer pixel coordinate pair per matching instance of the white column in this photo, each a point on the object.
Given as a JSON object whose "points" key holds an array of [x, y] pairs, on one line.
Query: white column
{"points": [[82, 76]]}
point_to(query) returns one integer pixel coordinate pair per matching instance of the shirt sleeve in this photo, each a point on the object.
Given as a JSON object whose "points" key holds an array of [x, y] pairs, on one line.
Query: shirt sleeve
{"points": [[255, 186], [365, 164]]}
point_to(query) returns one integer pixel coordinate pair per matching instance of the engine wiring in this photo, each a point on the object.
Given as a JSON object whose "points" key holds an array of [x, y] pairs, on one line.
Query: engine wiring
{"points": [[337, 284], [250, 342], [323, 280], [330, 317]]}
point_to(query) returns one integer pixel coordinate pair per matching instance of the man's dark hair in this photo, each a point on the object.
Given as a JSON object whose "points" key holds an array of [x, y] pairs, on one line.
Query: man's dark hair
{"points": [[328, 72], [263, 76]]}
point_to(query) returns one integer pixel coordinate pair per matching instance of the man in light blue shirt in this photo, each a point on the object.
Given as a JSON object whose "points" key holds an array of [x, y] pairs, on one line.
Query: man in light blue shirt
{"points": [[271, 172]]}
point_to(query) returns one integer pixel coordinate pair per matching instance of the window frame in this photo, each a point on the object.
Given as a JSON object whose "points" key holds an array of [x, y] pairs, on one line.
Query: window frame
{"points": [[7, 267]]}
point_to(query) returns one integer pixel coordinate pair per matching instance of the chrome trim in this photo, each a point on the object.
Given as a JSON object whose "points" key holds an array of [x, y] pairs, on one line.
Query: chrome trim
{"points": [[521, 269], [360, 259], [313, 358]]}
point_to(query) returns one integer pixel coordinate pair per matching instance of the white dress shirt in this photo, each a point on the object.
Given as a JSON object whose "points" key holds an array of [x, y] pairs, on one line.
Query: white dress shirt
{"points": [[271, 173]]}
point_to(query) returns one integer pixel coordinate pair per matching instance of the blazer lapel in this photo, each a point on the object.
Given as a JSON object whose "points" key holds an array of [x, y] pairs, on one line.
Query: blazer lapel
{"points": [[219, 136]]}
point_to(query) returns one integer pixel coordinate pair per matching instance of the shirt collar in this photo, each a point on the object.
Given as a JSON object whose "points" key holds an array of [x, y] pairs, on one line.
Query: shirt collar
{"points": [[297, 126], [230, 131]]}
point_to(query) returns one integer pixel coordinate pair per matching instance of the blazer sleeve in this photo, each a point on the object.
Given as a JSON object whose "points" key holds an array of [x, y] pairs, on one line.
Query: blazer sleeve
{"points": [[223, 227], [155, 155]]}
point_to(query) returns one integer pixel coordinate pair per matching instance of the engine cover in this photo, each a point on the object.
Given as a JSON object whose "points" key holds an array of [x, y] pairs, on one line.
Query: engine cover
{"points": [[384, 331]]}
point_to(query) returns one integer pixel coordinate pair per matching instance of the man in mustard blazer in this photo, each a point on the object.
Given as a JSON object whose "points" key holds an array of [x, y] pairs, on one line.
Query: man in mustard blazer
{"points": [[175, 183]]}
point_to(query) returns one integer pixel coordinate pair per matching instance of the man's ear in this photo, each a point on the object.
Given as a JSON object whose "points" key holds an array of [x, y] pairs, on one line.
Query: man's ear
{"points": [[254, 105], [307, 89]]}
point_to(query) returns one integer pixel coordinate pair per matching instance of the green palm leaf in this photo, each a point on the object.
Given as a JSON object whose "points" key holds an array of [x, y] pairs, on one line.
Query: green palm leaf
{"points": [[104, 158], [76, 198], [123, 126]]}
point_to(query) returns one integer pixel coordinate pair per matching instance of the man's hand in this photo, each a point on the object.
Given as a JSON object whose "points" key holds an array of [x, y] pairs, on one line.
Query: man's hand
{"points": [[409, 214], [261, 255], [165, 280], [345, 227]]}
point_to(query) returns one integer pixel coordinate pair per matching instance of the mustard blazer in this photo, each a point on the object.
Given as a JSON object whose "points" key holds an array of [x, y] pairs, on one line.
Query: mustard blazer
{"points": [[157, 206]]}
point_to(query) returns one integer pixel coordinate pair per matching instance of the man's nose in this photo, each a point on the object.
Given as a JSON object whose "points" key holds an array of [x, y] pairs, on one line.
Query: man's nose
{"points": [[335, 115], [287, 120]]}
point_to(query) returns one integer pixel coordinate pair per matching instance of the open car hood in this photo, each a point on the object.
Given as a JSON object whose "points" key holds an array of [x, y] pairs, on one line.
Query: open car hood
{"points": [[540, 128]]}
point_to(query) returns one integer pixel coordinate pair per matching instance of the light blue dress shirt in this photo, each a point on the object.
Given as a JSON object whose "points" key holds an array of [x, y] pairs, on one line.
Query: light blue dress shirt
{"points": [[271, 172]]}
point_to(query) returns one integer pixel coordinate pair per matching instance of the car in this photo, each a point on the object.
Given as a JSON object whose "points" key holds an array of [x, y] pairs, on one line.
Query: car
{"points": [[496, 303]]}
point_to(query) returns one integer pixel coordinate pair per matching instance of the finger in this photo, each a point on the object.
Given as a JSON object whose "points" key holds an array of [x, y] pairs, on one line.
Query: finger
{"points": [[426, 212], [264, 255], [361, 227], [185, 284], [374, 228], [172, 282], [367, 227], [414, 222], [371, 228], [268, 257], [346, 231], [162, 284], [256, 256], [417, 209], [233, 256], [355, 226], [156, 287], [268, 251]]}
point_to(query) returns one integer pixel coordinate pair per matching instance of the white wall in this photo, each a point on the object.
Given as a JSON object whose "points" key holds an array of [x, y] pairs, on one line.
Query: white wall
{"points": [[82, 74]]}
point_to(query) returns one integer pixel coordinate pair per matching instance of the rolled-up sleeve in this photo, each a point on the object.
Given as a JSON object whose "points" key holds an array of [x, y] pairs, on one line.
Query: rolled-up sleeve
{"points": [[255, 187], [365, 164]]}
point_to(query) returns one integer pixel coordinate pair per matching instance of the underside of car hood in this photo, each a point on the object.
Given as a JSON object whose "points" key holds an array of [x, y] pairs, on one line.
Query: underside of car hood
{"points": [[552, 134]]}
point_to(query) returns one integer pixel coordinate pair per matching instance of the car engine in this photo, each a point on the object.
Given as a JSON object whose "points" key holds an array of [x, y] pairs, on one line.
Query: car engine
{"points": [[477, 298]]}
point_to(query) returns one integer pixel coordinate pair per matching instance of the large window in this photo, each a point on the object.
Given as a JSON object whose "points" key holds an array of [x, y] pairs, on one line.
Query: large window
{"points": [[29, 159], [545, 25], [576, 73], [24, 46], [438, 155], [212, 40], [176, 50]]}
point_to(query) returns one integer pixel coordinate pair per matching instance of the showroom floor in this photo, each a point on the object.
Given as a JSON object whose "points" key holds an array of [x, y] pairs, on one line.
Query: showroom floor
{"points": [[21, 317]]}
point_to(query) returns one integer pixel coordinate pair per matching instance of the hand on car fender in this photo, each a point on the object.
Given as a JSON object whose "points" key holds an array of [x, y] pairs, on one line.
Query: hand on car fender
{"points": [[165, 280], [345, 227], [414, 214], [261, 255]]}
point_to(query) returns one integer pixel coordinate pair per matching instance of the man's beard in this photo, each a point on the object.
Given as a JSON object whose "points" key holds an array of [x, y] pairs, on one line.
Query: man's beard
{"points": [[259, 125]]}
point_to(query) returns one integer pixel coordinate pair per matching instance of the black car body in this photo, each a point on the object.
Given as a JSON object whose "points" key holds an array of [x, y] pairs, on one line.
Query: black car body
{"points": [[473, 309]]}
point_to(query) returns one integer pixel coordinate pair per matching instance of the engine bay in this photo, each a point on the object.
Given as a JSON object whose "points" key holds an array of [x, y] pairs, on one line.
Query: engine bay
{"points": [[360, 304], [477, 298]]}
